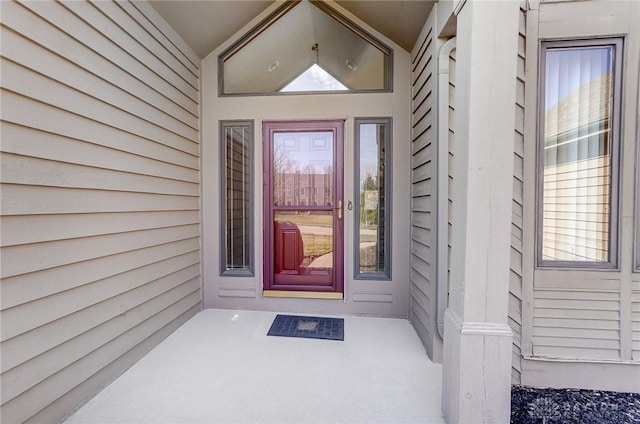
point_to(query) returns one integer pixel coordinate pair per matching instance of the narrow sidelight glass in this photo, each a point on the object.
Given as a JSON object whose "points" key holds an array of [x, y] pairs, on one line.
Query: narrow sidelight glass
{"points": [[236, 140], [373, 198]]}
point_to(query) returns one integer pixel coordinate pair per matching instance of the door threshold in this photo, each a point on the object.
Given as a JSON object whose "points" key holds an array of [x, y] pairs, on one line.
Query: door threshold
{"points": [[303, 294]]}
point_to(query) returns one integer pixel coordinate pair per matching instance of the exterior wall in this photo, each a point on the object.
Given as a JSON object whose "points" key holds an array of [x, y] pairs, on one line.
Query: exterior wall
{"points": [[381, 298], [515, 286], [478, 346], [425, 226], [100, 197], [451, 163], [581, 328], [424, 79]]}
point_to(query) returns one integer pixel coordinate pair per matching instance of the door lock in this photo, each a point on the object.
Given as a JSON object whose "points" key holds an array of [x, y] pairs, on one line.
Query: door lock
{"points": [[350, 205]]}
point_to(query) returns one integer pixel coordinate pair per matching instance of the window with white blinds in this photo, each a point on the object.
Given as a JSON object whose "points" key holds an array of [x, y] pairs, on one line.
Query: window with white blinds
{"points": [[578, 151]]}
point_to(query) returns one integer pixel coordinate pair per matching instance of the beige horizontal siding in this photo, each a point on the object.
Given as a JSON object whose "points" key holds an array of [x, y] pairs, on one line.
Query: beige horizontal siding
{"points": [[28, 83], [65, 25], [635, 321], [28, 53], [36, 115], [24, 170], [420, 310], [515, 277], [29, 142], [31, 370], [96, 301], [451, 163], [28, 287], [100, 205], [569, 324], [423, 172], [163, 33], [20, 229], [46, 392], [95, 381], [25, 199], [23, 259]]}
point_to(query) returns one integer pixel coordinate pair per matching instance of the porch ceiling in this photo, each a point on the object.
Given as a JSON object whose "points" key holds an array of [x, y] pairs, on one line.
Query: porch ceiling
{"points": [[205, 25]]}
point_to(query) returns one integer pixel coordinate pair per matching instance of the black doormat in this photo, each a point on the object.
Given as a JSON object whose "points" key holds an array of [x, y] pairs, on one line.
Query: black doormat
{"points": [[307, 327], [567, 406]]}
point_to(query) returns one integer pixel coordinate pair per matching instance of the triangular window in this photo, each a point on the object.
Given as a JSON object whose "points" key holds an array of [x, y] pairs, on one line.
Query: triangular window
{"points": [[305, 47], [314, 79]]}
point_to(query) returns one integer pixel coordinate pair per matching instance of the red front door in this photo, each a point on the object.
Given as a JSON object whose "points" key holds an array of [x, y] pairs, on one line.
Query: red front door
{"points": [[303, 198]]}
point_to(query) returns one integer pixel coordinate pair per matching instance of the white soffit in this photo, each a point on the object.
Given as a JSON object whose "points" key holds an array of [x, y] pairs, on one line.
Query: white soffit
{"points": [[400, 21], [206, 24]]}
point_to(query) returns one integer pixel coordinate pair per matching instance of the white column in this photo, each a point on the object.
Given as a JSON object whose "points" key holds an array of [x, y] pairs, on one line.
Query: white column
{"points": [[477, 342]]}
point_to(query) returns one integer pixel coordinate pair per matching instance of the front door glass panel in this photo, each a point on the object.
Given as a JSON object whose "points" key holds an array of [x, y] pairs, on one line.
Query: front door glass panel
{"points": [[303, 169], [304, 247], [303, 201]]}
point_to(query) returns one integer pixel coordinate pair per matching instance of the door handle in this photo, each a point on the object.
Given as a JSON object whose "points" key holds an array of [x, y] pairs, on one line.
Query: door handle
{"points": [[339, 209]]}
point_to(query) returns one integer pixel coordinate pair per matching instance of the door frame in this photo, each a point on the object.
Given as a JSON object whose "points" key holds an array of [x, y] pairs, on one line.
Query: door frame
{"points": [[336, 290]]}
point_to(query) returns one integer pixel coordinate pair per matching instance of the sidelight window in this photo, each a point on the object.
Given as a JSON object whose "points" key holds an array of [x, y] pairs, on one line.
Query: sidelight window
{"points": [[236, 152], [373, 198]]}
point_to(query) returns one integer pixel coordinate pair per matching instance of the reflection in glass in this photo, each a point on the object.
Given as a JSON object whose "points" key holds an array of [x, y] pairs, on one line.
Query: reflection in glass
{"points": [[303, 245], [576, 177], [237, 189], [302, 169], [315, 243], [372, 212]]}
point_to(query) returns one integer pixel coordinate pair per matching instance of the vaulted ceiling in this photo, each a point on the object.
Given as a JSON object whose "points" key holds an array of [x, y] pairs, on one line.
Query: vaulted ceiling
{"points": [[206, 24]]}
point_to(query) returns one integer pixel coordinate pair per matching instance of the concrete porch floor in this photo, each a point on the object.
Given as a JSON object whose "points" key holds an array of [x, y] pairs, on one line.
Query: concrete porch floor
{"points": [[221, 367]]}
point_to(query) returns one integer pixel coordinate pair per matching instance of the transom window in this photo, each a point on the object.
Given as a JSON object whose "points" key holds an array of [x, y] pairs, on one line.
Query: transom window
{"points": [[304, 47]]}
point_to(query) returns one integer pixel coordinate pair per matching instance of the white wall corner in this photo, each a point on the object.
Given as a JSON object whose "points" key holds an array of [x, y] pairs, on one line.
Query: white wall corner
{"points": [[478, 340], [533, 4], [476, 383]]}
